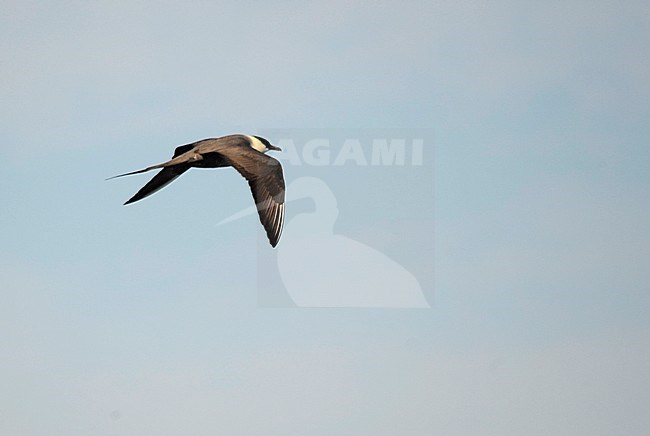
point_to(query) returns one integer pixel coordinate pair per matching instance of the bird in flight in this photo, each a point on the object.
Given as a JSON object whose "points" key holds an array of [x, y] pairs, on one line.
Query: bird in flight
{"points": [[243, 152]]}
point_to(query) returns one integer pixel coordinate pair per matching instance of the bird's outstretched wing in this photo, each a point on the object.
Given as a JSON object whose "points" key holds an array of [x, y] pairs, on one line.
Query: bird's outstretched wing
{"points": [[170, 171], [265, 178], [159, 181], [263, 173]]}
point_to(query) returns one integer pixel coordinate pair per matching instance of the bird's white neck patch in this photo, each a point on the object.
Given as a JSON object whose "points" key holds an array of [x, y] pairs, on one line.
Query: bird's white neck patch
{"points": [[257, 144]]}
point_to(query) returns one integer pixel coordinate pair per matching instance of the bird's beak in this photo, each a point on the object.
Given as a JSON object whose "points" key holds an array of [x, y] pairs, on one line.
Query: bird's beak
{"points": [[273, 147]]}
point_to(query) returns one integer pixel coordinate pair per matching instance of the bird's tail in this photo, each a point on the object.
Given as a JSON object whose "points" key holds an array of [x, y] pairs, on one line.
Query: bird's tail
{"points": [[137, 172], [175, 161]]}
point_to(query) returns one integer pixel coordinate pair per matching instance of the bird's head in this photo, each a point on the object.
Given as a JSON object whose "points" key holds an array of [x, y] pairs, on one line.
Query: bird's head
{"points": [[261, 144]]}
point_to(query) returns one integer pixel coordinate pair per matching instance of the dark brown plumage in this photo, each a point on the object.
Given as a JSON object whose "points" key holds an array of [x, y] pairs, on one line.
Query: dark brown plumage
{"points": [[244, 153]]}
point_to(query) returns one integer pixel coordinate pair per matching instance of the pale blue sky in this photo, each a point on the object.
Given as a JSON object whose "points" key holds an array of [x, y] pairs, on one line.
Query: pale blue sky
{"points": [[145, 319]]}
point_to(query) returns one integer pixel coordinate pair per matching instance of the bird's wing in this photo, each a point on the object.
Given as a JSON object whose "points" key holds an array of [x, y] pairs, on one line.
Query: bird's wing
{"points": [[182, 149], [165, 176], [265, 178], [179, 163], [159, 181], [181, 156]]}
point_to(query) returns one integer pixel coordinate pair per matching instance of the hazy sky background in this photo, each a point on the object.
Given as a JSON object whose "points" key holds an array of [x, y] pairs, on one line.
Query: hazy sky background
{"points": [[145, 320]]}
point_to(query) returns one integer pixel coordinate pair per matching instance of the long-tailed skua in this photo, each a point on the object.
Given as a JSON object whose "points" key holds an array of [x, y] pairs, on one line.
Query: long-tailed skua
{"points": [[244, 153]]}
